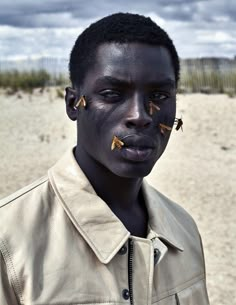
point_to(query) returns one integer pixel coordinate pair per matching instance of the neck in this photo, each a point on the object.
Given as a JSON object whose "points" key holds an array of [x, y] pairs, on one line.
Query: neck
{"points": [[118, 192]]}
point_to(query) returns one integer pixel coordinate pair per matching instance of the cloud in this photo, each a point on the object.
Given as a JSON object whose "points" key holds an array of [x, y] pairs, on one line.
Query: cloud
{"points": [[198, 27], [27, 13], [24, 42]]}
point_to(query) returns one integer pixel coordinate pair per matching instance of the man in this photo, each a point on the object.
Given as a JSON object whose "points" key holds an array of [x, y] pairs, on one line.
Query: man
{"points": [[92, 231]]}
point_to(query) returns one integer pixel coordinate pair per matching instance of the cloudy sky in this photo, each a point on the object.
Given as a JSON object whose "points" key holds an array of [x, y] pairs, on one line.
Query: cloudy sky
{"points": [[198, 28]]}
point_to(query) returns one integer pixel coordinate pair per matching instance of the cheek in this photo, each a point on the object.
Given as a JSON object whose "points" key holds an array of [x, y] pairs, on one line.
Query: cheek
{"points": [[167, 113], [102, 117], [97, 123]]}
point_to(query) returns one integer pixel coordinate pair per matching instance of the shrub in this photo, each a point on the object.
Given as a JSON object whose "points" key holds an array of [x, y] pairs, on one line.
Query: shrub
{"points": [[26, 81], [29, 80]]}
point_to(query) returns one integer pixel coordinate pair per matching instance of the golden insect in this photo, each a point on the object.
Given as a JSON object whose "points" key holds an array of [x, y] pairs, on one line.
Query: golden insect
{"points": [[164, 128], [81, 102], [116, 142], [153, 107]]}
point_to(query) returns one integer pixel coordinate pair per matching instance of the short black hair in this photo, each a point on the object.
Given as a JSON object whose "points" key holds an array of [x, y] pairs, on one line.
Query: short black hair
{"points": [[118, 28]]}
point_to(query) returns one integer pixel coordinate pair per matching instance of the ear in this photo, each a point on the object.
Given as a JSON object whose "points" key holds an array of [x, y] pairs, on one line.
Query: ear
{"points": [[70, 99]]}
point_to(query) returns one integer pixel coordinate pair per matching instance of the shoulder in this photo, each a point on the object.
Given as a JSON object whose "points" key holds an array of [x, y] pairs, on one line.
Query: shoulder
{"points": [[20, 194], [23, 228], [24, 207]]}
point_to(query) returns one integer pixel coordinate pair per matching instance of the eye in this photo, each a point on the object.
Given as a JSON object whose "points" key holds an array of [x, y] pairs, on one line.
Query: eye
{"points": [[110, 94], [159, 96]]}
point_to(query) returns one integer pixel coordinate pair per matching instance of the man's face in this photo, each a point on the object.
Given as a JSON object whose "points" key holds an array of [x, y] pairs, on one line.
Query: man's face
{"points": [[118, 90]]}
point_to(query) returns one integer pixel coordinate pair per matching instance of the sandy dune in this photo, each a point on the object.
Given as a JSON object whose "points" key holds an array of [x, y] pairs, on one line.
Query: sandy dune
{"points": [[198, 169]]}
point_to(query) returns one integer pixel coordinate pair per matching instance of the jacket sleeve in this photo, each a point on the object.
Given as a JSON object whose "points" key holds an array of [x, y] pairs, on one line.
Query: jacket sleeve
{"points": [[203, 256], [7, 294]]}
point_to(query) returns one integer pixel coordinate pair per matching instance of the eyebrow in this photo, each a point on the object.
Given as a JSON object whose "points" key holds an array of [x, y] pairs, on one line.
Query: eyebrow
{"points": [[111, 80], [163, 83], [121, 82]]}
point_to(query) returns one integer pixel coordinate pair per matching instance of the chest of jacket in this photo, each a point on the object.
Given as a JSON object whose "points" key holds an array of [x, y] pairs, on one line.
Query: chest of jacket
{"points": [[142, 272]]}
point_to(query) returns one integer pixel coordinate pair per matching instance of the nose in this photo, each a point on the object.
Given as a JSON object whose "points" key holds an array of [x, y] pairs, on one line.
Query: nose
{"points": [[137, 114]]}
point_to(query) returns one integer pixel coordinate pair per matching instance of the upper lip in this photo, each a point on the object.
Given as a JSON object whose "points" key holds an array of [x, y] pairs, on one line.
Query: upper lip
{"points": [[139, 141]]}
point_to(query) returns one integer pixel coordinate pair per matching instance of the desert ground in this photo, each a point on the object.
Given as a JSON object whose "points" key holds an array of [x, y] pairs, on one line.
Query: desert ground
{"points": [[198, 169]]}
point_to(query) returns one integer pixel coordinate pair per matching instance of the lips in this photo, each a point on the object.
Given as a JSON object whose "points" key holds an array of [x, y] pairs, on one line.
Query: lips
{"points": [[138, 141], [137, 148]]}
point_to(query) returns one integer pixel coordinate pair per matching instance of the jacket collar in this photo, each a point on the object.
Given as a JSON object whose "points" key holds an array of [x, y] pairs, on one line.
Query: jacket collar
{"points": [[89, 213], [162, 219]]}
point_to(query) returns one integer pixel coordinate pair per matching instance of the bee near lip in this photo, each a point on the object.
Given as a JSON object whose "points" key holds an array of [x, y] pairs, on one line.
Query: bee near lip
{"points": [[116, 143], [133, 141]]}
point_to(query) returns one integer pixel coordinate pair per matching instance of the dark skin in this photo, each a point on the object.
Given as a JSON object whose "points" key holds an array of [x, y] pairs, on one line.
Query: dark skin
{"points": [[118, 89]]}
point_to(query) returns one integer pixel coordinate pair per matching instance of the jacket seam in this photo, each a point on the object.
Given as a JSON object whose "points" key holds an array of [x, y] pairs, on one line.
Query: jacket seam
{"points": [[25, 192], [181, 287], [87, 303], [193, 281], [12, 272], [151, 271]]}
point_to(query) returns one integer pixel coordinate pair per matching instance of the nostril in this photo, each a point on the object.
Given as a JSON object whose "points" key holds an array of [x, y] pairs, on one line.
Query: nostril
{"points": [[130, 124], [137, 124], [147, 124]]}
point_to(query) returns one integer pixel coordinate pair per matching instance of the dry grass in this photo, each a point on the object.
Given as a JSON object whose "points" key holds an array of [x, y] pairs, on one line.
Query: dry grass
{"points": [[194, 81], [27, 81], [208, 82]]}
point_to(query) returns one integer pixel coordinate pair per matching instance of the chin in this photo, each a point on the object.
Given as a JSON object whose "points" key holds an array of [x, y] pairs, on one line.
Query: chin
{"points": [[134, 170]]}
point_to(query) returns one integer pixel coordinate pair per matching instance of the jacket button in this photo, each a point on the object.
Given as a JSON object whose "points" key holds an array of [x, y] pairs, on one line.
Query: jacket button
{"points": [[157, 254], [125, 294], [123, 250]]}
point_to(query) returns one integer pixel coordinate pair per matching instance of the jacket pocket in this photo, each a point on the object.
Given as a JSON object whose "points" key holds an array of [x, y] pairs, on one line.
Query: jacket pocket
{"points": [[193, 295]]}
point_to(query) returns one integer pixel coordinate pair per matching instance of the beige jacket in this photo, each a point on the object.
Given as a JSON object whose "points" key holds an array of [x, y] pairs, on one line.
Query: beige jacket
{"points": [[60, 244]]}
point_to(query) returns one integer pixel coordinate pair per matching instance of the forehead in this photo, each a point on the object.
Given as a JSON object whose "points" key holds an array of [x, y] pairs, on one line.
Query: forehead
{"points": [[133, 62]]}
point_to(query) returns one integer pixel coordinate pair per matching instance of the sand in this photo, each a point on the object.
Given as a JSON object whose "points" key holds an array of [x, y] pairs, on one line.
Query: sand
{"points": [[198, 169]]}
